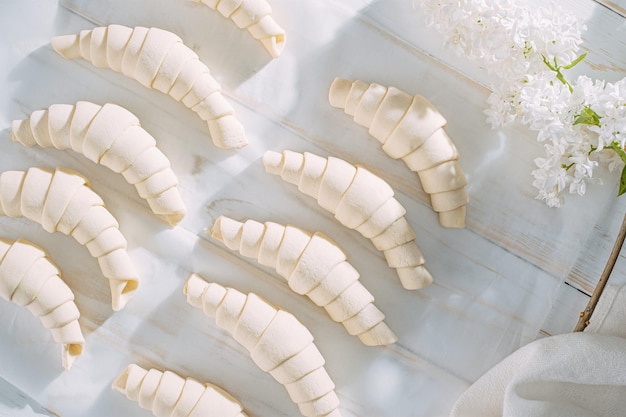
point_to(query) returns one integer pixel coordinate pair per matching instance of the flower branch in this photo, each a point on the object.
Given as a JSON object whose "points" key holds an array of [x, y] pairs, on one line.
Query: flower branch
{"points": [[521, 48]]}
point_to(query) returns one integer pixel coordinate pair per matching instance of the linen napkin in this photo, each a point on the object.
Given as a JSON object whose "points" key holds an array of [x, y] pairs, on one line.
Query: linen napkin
{"points": [[569, 375]]}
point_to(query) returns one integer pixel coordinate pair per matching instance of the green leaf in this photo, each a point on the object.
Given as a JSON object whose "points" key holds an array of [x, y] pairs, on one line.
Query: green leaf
{"points": [[622, 183], [622, 154], [576, 61], [588, 117]]}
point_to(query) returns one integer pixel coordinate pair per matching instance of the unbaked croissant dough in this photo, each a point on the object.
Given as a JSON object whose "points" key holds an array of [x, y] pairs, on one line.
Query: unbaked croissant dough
{"points": [[313, 265], [411, 128], [29, 278], [158, 59], [278, 343], [112, 136], [61, 201], [167, 394], [255, 16], [359, 200]]}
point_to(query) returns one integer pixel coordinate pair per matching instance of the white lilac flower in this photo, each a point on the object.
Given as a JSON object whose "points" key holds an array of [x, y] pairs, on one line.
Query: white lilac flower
{"points": [[583, 165], [501, 110], [610, 105], [578, 186], [550, 182], [611, 159], [586, 91], [524, 50]]}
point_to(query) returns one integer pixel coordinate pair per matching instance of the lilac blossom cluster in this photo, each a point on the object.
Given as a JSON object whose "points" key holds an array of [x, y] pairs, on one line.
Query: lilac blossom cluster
{"points": [[525, 51]]}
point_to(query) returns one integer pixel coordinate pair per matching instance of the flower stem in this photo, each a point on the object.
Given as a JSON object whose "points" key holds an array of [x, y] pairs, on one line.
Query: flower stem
{"points": [[585, 315], [557, 68]]}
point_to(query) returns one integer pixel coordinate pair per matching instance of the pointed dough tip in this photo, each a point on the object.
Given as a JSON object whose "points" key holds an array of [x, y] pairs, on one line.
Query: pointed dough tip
{"points": [[68, 46], [15, 126], [194, 288], [338, 93], [275, 45], [415, 278], [273, 162], [121, 292], [174, 218], [22, 133], [334, 413], [228, 231], [215, 230], [70, 353], [227, 132], [379, 335], [120, 382], [453, 219]]}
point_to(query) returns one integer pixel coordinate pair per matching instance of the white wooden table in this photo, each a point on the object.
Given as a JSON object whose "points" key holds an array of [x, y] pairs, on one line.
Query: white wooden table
{"points": [[519, 269]]}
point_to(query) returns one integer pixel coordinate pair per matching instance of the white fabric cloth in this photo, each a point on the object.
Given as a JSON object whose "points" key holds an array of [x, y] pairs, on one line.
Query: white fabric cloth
{"points": [[569, 375]]}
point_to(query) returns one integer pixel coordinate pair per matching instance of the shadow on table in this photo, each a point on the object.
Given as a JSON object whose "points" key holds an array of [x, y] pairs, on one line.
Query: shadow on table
{"points": [[18, 403]]}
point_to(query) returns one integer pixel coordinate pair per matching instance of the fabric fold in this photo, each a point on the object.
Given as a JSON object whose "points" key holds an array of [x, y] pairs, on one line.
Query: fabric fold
{"points": [[573, 374]]}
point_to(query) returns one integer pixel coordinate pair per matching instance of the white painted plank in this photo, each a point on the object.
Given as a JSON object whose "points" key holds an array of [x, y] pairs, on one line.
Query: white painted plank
{"points": [[565, 310], [618, 6], [596, 250]]}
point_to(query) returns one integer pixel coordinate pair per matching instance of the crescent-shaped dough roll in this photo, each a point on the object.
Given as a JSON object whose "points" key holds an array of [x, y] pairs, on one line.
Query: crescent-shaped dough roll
{"points": [[278, 343], [359, 200], [112, 136], [159, 59], [29, 278], [167, 394], [315, 266], [410, 128], [255, 16], [61, 201]]}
